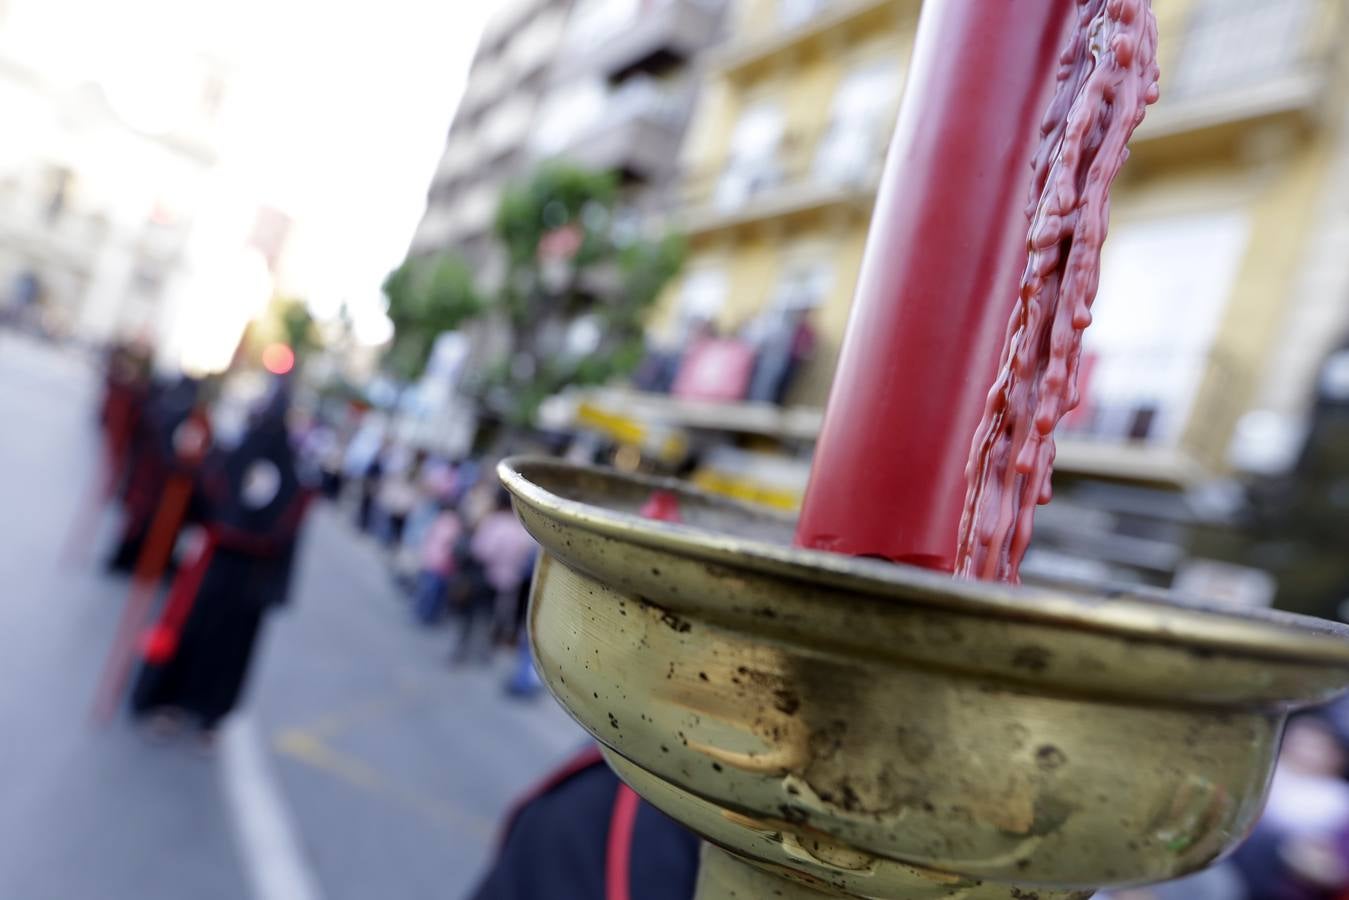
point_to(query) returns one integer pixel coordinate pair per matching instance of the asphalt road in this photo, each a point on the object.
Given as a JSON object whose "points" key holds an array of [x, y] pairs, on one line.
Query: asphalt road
{"points": [[386, 770]]}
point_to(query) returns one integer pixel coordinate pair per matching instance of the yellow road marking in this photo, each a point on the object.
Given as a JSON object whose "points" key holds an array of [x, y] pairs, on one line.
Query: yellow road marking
{"points": [[308, 748]]}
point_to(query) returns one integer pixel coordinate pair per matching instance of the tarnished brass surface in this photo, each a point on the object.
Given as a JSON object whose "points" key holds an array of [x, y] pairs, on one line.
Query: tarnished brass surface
{"points": [[880, 731]]}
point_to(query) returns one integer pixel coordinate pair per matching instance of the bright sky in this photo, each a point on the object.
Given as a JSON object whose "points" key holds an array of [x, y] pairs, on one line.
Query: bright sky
{"points": [[338, 113]]}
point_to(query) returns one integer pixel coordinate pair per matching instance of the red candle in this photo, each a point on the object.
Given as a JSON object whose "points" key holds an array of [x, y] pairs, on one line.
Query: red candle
{"points": [[938, 281]]}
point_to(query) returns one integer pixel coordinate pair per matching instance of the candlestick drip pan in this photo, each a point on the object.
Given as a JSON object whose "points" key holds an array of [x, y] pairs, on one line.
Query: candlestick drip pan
{"points": [[844, 726]]}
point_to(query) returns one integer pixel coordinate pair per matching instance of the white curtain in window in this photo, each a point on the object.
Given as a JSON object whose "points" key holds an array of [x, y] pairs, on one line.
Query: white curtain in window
{"points": [[1164, 288], [599, 20], [792, 13], [703, 293], [752, 162], [567, 114], [852, 144], [1240, 43], [803, 285]]}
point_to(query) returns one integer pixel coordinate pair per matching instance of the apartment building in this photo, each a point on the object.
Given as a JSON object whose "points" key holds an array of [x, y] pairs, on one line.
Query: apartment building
{"points": [[607, 84], [1225, 279]]}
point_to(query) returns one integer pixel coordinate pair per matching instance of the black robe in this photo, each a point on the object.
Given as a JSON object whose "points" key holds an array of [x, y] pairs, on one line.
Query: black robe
{"points": [[582, 835], [197, 657], [149, 461]]}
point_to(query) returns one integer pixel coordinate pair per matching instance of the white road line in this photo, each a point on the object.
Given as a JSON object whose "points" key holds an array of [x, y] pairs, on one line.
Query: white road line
{"points": [[273, 858]]}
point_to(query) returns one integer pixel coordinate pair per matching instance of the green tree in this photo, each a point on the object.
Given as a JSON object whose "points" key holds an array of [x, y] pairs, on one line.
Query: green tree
{"points": [[571, 305], [578, 285], [286, 320], [427, 296], [297, 324]]}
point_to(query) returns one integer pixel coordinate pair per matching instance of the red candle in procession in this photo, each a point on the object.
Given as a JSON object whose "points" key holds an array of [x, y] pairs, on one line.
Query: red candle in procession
{"points": [[938, 282]]}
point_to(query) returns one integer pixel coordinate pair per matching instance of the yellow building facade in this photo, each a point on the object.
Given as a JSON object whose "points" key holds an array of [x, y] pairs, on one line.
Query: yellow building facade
{"points": [[782, 165], [1226, 277]]}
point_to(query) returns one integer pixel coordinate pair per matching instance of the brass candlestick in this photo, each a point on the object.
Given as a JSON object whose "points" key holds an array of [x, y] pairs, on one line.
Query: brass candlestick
{"points": [[845, 727]]}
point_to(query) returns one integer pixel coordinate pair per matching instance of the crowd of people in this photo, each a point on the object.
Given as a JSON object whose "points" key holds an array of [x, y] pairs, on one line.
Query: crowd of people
{"points": [[454, 547], [212, 515], [453, 544]]}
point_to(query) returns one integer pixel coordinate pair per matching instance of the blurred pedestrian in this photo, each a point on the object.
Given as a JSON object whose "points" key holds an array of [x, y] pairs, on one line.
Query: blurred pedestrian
{"points": [[315, 449], [167, 442], [784, 340], [398, 494], [471, 597], [126, 383], [372, 475], [503, 551], [196, 658], [524, 681], [1298, 849], [437, 563], [331, 473], [506, 552], [26, 296], [437, 484]]}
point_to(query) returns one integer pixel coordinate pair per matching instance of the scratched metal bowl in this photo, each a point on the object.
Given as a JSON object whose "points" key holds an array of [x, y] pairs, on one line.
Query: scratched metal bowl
{"points": [[881, 731]]}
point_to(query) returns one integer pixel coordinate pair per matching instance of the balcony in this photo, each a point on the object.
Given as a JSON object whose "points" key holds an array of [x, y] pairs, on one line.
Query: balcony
{"points": [[1172, 431], [1210, 94], [639, 148], [747, 55], [653, 36], [792, 186], [434, 232], [638, 133], [1134, 462], [461, 151]]}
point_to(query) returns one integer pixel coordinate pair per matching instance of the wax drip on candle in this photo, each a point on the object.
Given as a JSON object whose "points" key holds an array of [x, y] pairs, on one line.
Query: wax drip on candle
{"points": [[1107, 78]]}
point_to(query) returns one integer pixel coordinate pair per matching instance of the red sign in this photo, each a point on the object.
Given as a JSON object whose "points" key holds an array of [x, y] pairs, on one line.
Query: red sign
{"points": [[716, 369]]}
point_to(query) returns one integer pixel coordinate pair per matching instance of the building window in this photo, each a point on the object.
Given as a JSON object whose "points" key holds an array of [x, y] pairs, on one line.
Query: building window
{"points": [[1164, 289], [752, 163], [532, 45], [792, 13], [803, 285], [860, 119], [651, 98], [594, 21], [508, 125], [475, 211], [568, 113], [701, 299], [1240, 43]]}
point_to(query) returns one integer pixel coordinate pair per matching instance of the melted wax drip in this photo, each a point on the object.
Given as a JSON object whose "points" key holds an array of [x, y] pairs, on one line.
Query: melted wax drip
{"points": [[1107, 77]]}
